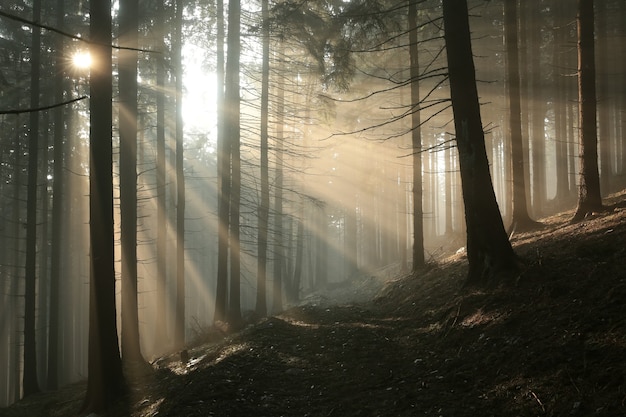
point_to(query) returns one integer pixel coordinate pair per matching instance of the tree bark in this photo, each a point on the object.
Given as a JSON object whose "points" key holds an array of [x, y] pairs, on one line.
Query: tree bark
{"points": [[589, 197], [58, 196], [105, 384], [279, 253], [128, 16], [223, 178], [537, 139], [350, 236], [43, 297], [179, 327], [233, 116], [321, 239], [161, 242], [521, 220], [604, 109], [14, 348], [560, 110], [263, 215], [297, 271], [449, 230], [488, 248], [30, 385], [416, 143]]}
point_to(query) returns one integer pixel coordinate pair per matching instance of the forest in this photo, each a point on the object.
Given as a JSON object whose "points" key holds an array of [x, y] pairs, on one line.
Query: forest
{"points": [[205, 171]]}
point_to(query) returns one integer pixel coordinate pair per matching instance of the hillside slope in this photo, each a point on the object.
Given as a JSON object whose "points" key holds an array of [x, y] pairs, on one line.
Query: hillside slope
{"points": [[549, 342]]}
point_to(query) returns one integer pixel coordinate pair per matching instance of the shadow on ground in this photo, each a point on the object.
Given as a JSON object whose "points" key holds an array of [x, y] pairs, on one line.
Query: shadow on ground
{"points": [[550, 343]]}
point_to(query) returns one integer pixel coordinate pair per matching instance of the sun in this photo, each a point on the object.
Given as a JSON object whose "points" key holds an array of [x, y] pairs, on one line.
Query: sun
{"points": [[81, 60]]}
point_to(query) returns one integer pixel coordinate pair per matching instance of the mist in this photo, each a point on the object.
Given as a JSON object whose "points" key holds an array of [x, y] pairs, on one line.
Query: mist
{"points": [[340, 160]]}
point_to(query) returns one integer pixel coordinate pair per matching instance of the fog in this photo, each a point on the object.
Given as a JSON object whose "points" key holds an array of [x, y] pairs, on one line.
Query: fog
{"points": [[342, 152]]}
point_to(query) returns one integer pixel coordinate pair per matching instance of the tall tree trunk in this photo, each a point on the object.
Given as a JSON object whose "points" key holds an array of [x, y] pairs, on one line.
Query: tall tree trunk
{"points": [[6, 260], [223, 175], [350, 236], [521, 219], [6, 314], [30, 384], [14, 342], [263, 215], [72, 291], [560, 110], [388, 245], [279, 253], [368, 220], [571, 139], [589, 197], [449, 230], [231, 95], [622, 103], [44, 255], [294, 295], [321, 236], [416, 143], [128, 21], [290, 248], [488, 248], [58, 195], [523, 20], [172, 192], [179, 327], [621, 68], [537, 139], [105, 384], [161, 243], [403, 227], [605, 127]]}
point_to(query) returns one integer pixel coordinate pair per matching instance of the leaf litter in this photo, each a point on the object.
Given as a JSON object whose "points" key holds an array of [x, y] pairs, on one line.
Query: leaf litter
{"points": [[549, 342]]}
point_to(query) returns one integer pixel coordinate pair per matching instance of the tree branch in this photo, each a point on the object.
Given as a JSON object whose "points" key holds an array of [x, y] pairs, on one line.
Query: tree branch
{"points": [[20, 111], [67, 34]]}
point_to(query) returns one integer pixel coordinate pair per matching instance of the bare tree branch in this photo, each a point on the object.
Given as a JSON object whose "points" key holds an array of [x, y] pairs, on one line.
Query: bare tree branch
{"points": [[67, 34], [20, 111]]}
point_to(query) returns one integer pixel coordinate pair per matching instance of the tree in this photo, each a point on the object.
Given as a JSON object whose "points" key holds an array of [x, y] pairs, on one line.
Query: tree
{"points": [[179, 333], [321, 247], [521, 220], [416, 142], [293, 285], [223, 177], [589, 197], [279, 254], [350, 230], [105, 383], [263, 214], [538, 129], [227, 305], [161, 243], [129, 15], [559, 57], [488, 248], [14, 285], [603, 91], [58, 194], [30, 384], [233, 118], [44, 251]]}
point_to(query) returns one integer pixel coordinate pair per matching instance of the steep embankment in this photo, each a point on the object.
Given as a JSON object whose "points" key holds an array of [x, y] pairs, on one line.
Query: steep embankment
{"points": [[551, 342]]}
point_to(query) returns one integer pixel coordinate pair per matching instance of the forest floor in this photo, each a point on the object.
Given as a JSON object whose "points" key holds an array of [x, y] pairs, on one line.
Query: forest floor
{"points": [[550, 342]]}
